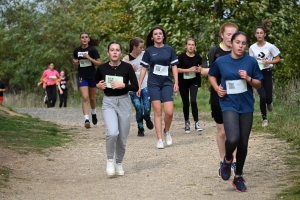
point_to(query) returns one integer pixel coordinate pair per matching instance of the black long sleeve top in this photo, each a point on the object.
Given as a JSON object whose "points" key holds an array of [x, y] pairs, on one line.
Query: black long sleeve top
{"points": [[124, 70]]}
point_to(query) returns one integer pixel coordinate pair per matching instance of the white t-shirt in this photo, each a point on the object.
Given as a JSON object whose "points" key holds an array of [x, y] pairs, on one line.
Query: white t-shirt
{"points": [[137, 62], [267, 52]]}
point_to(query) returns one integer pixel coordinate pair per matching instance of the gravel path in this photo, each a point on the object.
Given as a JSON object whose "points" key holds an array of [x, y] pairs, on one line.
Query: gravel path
{"points": [[185, 170]]}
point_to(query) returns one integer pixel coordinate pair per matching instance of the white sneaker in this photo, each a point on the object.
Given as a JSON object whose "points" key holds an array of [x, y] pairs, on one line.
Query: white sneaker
{"points": [[110, 167], [119, 169], [264, 123], [270, 107], [160, 144], [168, 137], [197, 126]]}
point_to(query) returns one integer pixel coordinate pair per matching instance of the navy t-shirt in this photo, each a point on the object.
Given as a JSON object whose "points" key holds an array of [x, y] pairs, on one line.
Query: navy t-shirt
{"points": [[228, 68], [161, 56], [86, 69]]}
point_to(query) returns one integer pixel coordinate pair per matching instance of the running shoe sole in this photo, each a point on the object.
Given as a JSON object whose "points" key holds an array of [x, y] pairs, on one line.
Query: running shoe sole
{"points": [[87, 125]]}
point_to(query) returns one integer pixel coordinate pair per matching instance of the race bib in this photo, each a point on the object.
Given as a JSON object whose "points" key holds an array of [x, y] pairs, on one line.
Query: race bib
{"points": [[261, 65], [236, 86], [52, 77], [189, 75], [63, 86], [137, 75], [161, 70], [85, 63], [109, 79]]}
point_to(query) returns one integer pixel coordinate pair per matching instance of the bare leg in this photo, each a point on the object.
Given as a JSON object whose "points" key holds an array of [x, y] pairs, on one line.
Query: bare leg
{"points": [[168, 108], [157, 118], [85, 96], [92, 95]]}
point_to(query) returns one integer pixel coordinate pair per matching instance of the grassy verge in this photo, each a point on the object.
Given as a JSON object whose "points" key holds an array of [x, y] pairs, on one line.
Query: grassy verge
{"points": [[26, 134]]}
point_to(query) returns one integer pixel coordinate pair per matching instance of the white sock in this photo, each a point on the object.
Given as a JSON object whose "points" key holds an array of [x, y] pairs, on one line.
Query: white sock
{"points": [[94, 111], [86, 117]]}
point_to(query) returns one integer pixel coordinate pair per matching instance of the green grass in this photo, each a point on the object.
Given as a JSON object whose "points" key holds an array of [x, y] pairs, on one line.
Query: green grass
{"points": [[4, 176]]}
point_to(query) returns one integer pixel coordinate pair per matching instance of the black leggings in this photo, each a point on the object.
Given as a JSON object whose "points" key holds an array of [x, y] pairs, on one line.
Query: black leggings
{"points": [[184, 90], [265, 92], [63, 97], [51, 95], [237, 129]]}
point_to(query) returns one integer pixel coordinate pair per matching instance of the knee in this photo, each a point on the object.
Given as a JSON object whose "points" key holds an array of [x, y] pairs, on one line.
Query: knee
{"points": [[193, 103], [85, 99], [221, 134], [112, 133], [168, 114]]}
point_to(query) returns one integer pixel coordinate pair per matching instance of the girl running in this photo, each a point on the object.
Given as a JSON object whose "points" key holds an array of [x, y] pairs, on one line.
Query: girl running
{"points": [[51, 77], [266, 55], [86, 57], [141, 104], [159, 57], [116, 78], [189, 69], [239, 73], [63, 85], [222, 49]]}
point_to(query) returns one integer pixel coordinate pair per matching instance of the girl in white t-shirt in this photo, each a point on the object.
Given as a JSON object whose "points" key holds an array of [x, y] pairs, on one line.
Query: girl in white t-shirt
{"points": [[266, 55]]}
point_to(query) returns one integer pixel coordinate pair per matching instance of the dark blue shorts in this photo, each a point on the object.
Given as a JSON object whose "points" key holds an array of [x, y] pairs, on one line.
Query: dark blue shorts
{"points": [[164, 94], [89, 82]]}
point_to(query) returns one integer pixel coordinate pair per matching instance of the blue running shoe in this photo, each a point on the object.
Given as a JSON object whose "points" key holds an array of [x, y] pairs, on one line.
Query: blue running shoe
{"points": [[239, 184], [219, 173], [226, 170]]}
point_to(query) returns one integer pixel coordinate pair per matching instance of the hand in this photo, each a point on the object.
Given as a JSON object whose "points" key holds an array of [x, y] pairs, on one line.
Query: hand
{"points": [[61, 92], [199, 68], [176, 88], [76, 61], [243, 74], [221, 92], [87, 56], [138, 93], [39, 83], [101, 85], [117, 85], [134, 67], [265, 62], [193, 69]]}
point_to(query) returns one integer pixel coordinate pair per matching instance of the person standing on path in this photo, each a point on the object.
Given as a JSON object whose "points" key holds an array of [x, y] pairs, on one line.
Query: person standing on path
{"points": [[189, 69], [239, 73], [116, 78], [2, 90], [266, 55], [86, 57], [63, 85], [141, 104], [222, 49], [51, 77], [159, 57]]}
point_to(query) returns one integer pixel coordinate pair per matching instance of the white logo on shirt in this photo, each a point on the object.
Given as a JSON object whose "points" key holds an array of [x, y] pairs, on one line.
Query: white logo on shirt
{"points": [[154, 54], [80, 54]]}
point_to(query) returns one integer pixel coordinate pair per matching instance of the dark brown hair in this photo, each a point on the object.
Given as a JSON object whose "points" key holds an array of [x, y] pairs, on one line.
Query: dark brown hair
{"points": [[114, 43], [265, 26], [93, 41], [149, 41], [134, 42]]}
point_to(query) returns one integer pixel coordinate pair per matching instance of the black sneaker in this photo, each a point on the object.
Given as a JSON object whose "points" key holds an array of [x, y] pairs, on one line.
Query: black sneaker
{"points": [[239, 184], [141, 132], [87, 123], [94, 119], [226, 170], [149, 124], [187, 127]]}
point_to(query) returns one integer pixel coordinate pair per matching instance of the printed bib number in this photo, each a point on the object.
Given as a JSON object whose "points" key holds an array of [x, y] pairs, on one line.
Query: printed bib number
{"points": [[109, 79], [189, 75], [161, 70], [261, 65], [63, 86], [236, 86], [85, 63], [52, 77]]}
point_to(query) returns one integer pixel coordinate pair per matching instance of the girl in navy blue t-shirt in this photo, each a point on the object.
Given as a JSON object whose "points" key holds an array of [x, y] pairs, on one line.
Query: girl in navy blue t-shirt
{"points": [[158, 57], [239, 73]]}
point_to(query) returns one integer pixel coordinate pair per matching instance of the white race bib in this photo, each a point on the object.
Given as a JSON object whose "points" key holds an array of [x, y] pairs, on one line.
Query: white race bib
{"points": [[236, 86], [261, 65], [63, 86], [189, 75], [137, 75], [52, 77], [85, 63], [109, 79], [161, 70]]}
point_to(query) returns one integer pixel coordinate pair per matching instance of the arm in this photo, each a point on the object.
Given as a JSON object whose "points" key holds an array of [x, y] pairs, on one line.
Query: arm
{"points": [[2, 90], [100, 83], [217, 88], [141, 79], [175, 75], [253, 82], [274, 61]]}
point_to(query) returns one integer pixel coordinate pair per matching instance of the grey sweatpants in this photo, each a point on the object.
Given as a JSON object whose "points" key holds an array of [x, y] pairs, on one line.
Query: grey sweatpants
{"points": [[117, 117]]}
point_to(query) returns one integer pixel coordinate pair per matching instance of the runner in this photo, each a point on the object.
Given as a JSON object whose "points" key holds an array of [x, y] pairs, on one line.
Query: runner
{"points": [[222, 49], [51, 77], [141, 104], [86, 57], [2, 90], [44, 84], [113, 78], [159, 57], [239, 73], [266, 55], [189, 69], [63, 85]]}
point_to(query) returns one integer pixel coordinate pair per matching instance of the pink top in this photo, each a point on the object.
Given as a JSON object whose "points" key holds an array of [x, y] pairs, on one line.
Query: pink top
{"points": [[51, 76]]}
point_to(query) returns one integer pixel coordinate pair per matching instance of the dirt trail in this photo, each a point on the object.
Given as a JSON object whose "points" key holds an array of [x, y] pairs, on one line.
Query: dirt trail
{"points": [[185, 170]]}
